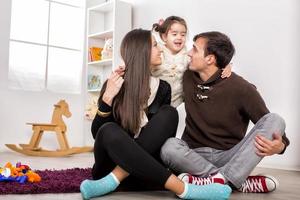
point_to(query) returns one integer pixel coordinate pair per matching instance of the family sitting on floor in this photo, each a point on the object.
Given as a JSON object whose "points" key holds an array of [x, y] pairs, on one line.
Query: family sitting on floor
{"points": [[136, 121]]}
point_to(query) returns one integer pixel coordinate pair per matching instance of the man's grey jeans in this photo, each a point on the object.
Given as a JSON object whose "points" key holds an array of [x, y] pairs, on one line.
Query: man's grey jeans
{"points": [[234, 164]]}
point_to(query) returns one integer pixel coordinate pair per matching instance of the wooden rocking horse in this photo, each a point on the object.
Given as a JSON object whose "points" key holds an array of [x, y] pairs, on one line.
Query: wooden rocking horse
{"points": [[58, 126]]}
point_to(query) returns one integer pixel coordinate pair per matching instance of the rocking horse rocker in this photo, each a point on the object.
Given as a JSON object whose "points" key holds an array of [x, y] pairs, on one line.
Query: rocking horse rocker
{"points": [[58, 126]]}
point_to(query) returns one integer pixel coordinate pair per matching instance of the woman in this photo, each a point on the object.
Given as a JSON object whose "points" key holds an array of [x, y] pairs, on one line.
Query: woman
{"points": [[133, 122]]}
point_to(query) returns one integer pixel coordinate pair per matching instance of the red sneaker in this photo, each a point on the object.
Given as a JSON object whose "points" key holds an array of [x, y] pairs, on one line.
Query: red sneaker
{"points": [[259, 184], [185, 177]]}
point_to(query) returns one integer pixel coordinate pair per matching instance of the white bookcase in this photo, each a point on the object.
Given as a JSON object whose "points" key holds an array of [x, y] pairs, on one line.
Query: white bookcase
{"points": [[108, 19], [105, 19]]}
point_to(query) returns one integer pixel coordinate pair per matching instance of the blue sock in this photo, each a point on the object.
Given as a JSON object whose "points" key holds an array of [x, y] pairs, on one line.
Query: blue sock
{"points": [[213, 191], [91, 188]]}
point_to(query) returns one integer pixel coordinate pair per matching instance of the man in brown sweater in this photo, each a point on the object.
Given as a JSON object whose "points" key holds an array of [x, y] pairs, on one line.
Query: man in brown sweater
{"points": [[214, 146]]}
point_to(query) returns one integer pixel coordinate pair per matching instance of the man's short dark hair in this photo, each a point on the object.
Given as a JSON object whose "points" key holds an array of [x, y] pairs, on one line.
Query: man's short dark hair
{"points": [[219, 45]]}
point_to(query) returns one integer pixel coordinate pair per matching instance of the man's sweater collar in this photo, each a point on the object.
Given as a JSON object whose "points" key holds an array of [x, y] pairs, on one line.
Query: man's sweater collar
{"points": [[214, 78]]}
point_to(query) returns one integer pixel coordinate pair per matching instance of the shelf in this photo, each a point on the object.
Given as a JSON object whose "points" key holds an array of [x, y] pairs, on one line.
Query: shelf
{"points": [[110, 19], [102, 35], [94, 90], [101, 62], [105, 7]]}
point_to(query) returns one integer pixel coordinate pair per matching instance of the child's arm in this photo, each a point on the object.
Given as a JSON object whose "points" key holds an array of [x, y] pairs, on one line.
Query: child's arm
{"points": [[227, 71]]}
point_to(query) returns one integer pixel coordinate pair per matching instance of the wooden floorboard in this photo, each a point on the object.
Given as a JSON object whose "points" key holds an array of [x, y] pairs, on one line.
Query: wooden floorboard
{"points": [[289, 181]]}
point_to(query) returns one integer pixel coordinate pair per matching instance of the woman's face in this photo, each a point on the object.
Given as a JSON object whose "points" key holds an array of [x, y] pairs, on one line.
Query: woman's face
{"points": [[156, 53]]}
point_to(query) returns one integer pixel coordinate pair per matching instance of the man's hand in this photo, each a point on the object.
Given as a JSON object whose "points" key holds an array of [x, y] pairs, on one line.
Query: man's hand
{"points": [[266, 147]]}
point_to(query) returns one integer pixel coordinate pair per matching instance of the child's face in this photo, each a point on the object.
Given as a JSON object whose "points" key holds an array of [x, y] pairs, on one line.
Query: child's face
{"points": [[175, 38]]}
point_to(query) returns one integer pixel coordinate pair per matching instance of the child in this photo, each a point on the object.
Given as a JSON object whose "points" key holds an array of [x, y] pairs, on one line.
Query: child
{"points": [[172, 36]]}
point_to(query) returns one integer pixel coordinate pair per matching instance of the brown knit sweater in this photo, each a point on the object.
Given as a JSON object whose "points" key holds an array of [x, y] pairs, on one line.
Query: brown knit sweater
{"points": [[218, 111]]}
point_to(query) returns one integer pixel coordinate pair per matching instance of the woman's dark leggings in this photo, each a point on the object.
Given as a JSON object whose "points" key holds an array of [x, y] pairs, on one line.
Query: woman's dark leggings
{"points": [[139, 157]]}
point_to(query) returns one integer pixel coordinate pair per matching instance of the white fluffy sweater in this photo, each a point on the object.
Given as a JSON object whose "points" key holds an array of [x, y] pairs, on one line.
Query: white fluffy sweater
{"points": [[171, 70]]}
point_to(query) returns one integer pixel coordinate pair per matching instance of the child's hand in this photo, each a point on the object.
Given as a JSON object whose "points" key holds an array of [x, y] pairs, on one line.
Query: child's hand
{"points": [[114, 84], [227, 71], [161, 21]]}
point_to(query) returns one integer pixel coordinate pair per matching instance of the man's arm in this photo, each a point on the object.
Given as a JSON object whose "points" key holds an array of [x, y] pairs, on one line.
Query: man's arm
{"points": [[256, 108]]}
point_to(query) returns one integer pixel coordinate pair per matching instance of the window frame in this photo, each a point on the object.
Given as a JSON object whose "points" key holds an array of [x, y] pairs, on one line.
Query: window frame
{"points": [[48, 46]]}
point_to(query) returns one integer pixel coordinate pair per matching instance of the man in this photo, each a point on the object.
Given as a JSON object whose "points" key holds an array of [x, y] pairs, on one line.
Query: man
{"points": [[214, 147]]}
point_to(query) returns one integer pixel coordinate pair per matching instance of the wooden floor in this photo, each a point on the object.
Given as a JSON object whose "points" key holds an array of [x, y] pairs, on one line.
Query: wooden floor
{"points": [[289, 187]]}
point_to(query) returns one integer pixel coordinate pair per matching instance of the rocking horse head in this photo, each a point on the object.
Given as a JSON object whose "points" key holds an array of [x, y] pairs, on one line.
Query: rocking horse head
{"points": [[63, 107], [60, 109]]}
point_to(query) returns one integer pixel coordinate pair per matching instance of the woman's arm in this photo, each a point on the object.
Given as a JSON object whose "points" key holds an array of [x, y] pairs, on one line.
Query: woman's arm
{"points": [[104, 115], [108, 92], [167, 94]]}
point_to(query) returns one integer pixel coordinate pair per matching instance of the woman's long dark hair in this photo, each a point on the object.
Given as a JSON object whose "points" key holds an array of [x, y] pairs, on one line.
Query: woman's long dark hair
{"points": [[134, 93]]}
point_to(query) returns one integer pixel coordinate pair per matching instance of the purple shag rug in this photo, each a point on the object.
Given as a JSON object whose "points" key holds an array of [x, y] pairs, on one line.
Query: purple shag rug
{"points": [[53, 181]]}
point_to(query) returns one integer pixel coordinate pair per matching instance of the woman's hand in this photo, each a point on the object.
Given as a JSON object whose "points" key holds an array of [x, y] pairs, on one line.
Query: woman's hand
{"points": [[114, 84], [227, 71], [120, 70]]}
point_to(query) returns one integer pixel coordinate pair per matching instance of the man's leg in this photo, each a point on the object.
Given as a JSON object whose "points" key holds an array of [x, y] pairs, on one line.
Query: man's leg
{"points": [[243, 157], [177, 155], [236, 160]]}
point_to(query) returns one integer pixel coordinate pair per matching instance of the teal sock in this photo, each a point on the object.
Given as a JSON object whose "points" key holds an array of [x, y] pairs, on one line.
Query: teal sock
{"points": [[213, 191], [91, 188]]}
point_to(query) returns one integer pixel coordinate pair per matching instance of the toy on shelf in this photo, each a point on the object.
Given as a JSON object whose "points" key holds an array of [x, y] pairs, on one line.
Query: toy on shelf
{"points": [[95, 53], [91, 108], [20, 173], [107, 51], [58, 126], [94, 82]]}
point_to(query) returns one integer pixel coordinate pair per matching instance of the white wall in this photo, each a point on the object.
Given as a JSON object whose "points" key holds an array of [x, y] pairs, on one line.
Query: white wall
{"points": [[19, 107], [265, 34], [266, 37]]}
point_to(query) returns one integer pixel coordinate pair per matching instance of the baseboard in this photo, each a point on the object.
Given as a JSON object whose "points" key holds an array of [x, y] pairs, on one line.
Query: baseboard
{"points": [[280, 167]]}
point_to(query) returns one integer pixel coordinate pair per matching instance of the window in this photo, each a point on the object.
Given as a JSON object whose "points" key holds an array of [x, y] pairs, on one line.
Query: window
{"points": [[46, 44]]}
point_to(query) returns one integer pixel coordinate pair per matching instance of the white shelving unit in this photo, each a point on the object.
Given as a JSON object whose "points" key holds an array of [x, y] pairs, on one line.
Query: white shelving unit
{"points": [[101, 62], [105, 19]]}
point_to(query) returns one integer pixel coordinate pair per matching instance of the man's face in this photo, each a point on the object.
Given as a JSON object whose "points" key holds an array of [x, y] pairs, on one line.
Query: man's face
{"points": [[198, 60]]}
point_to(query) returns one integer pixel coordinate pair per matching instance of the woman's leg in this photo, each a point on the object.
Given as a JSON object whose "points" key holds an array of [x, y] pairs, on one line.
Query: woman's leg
{"points": [[103, 163], [130, 156], [115, 143], [162, 126], [134, 160]]}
